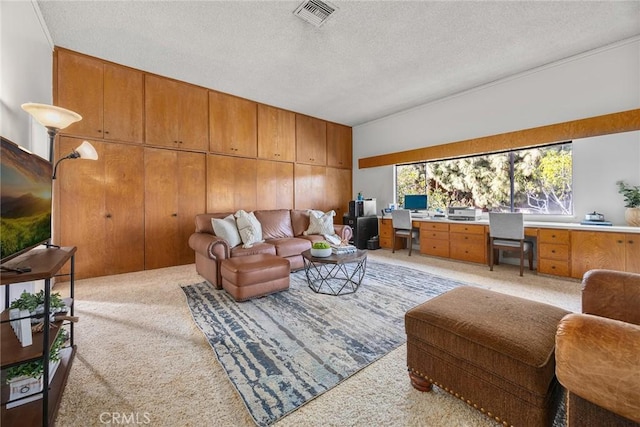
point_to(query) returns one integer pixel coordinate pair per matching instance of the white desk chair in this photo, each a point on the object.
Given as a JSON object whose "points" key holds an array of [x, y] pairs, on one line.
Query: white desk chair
{"points": [[401, 223], [506, 232]]}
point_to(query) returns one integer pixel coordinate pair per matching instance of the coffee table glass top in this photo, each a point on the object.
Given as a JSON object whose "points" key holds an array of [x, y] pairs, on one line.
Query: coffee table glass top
{"points": [[335, 274]]}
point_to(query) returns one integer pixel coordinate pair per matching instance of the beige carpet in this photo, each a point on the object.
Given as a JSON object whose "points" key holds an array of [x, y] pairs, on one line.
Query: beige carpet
{"points": [[141, 359]]}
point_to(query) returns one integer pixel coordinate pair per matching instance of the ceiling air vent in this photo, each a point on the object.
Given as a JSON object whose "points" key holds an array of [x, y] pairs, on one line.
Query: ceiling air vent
{"points": [[315, 12]]}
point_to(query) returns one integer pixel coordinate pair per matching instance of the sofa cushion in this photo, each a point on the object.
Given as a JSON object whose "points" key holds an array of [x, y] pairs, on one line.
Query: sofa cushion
{"points": [[290, 246], [320, 223], [249, 228], [299, 221], [275, 224], [257, 248], [227, 229]]}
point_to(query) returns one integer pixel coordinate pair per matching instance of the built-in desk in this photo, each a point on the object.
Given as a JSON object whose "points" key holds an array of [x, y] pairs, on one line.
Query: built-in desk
{"points": [[562, 248]]}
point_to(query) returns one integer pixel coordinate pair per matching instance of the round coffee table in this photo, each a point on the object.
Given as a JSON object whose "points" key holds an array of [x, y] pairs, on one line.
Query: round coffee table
{"points": [[335, 274]]}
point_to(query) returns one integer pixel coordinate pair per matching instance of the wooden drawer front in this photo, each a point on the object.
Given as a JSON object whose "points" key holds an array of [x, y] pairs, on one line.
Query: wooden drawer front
{"points": [[555, 267], [433, 226], [476, 239], [435, 248], [558, 252], [434, 235], [547, 235], [386, 232], [386, 242], [467, 228], [468, 252]]}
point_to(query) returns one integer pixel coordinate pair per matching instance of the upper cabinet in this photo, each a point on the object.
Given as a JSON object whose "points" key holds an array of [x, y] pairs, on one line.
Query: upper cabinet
{"points": [[339, 146], [176, 114], [109, 97], [311, 140], [276, 134], [233, 125]]}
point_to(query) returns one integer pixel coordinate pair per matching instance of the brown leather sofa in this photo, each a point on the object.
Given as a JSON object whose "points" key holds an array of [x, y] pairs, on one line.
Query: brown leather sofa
{"points": [[598, 352], [282, 231]]}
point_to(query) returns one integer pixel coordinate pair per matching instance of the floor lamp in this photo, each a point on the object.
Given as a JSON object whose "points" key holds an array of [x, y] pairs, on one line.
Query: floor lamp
{"points": [[83, 151], [53, 118]]}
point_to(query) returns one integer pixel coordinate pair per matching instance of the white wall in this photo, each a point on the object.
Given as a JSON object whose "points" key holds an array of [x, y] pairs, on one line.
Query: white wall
{"points": [[26, 64], [600, 82]]}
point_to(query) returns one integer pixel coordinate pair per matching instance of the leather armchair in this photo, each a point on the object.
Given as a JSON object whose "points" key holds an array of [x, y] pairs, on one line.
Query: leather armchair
{"points": [[598, 352]]}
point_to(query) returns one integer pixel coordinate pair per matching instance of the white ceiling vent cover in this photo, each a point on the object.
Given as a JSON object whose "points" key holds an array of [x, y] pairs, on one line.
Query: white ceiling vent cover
{"points": [[315, 12]]}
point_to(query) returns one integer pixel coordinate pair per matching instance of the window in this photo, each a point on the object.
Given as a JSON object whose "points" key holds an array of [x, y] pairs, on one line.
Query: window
{"points": [[534, 180]]}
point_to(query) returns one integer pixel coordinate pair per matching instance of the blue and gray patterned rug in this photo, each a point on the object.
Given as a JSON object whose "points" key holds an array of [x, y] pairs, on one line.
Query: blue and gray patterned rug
{"points": [[282, 350]]}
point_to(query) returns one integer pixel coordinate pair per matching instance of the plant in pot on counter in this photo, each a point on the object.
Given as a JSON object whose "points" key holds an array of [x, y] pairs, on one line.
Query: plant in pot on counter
{"points": [[631, 194]]}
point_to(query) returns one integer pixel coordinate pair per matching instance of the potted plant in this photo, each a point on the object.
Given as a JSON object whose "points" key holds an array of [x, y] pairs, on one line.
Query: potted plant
{"points": [[631, 194], [35, 304]]}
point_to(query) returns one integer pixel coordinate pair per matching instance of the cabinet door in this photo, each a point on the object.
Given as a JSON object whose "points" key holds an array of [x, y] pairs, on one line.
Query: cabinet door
{"points": [[338, 192], [339, 146], [231, 183], [124, 207], [276, 134], [233, 125], [594, 249], [123, 104], [192, 178], [275, 184], [161, 111], [80, 89], [632, 252], [310, 187], [311, 140], [193, 102]]}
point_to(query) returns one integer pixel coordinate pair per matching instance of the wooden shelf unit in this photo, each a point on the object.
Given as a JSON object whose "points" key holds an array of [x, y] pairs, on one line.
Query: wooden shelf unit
{"points": [[44, 264]]}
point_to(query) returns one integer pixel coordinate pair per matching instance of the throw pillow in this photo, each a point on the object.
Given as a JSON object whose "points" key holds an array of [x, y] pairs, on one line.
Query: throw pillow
{"points": [[249, 228], [320, 223], [227, 229]]}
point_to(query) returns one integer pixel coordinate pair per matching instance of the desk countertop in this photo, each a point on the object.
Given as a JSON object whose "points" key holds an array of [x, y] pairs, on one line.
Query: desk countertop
{"points": [[540, 224]]}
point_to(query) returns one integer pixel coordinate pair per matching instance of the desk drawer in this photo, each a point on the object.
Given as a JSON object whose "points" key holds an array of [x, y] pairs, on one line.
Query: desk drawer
{"points": [[435, 248], [549, 235], [555, 267], [551, 251], [434, 235], [475, 239], [468, 252], [467, 228], [433, 226]]}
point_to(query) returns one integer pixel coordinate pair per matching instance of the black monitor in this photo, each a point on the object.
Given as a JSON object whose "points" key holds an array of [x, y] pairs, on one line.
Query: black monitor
{"points": [[415, 202]]}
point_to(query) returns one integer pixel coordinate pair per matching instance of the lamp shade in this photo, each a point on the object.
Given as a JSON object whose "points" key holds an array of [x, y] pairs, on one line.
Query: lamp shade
{"points": [[86, 151], [51, 116]]}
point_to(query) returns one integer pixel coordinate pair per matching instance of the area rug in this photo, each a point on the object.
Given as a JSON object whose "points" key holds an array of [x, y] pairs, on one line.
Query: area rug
{"points": [[282, 350]]}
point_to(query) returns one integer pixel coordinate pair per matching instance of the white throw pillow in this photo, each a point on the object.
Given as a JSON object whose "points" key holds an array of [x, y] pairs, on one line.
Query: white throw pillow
{"points": [[249, 228], [227, 229], [320, 223]]}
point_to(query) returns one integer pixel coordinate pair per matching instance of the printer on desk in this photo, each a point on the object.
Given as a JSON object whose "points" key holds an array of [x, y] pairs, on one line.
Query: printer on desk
{"points": [[464, 213]]}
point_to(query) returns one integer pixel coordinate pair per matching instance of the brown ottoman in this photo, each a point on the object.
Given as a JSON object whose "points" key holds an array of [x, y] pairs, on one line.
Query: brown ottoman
{"points": [[493, 351], [251, 276]]}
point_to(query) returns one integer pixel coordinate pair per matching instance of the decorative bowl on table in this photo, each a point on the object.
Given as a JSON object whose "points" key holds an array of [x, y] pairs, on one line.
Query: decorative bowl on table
{"points": [[320, 249]]}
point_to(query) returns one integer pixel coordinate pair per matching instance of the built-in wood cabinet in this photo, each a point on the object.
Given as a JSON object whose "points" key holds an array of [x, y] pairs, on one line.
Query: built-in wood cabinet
{"points": [[276, 134], [385, 233], [275, 181], [99, 208], [339, 146], [311, 140], [176, 114], [338, 192], [233, 125], [109, 97], [434, 239], [596, 249], [632, 252], [311, 185], [174, 193], [554, 251], [468, 242], [231, 183]]}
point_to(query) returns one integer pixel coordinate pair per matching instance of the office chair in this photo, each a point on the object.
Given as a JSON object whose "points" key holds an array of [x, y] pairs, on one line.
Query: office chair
{"points": [[506, 232], [401, 223]]}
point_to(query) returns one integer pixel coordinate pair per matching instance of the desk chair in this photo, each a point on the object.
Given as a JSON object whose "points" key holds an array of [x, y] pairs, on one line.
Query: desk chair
{"points": [[401, 223], [506, 232]]}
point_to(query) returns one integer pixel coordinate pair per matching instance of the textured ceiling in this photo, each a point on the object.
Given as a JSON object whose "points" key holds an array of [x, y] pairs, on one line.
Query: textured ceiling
{"points": [[369, 59]]}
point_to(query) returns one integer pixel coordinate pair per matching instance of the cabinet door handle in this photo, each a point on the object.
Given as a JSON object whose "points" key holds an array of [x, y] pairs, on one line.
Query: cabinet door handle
{"points": [[630, 241], [99, 130], [620, 241], [553, 251], [108, 215], [174, 214], [106, 131]]}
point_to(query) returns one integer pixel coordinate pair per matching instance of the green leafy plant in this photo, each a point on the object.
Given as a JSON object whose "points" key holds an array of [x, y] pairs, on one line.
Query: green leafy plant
{"points": [[631, 194], [321, 245], [35, 369], [29, 301]]}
